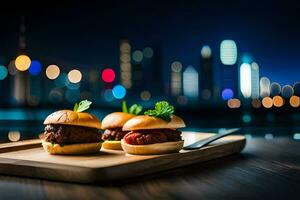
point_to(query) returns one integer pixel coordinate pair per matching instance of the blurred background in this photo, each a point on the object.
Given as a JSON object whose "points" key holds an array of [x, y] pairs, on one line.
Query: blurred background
{"points": [[220, 63]]}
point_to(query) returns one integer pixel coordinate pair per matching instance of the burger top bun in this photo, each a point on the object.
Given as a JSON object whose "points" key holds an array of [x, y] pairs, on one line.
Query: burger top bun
{"points": [[148, 122], [116, 120], [69, 117]]}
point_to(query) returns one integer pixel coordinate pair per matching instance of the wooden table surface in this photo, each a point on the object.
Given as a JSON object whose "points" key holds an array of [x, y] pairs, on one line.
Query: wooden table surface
{"points": [[265, 169]]}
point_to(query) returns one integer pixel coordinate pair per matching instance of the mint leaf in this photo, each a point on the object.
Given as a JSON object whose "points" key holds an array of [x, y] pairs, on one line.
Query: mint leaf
{"points": [[162, 110], [82, 106]]}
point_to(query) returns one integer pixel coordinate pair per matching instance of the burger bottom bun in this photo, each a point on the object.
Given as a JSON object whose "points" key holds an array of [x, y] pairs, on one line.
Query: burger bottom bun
{"points": [[151, 149], [82, 148], [114, 145]]}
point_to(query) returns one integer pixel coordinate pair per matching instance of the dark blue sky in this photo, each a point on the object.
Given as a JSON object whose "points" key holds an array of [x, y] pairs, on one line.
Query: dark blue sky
{"points": [[87, 34]]}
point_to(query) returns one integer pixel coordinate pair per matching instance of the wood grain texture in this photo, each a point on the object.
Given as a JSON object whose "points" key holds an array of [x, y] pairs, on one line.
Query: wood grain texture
{"points": [[266, 169], [109, 165]]}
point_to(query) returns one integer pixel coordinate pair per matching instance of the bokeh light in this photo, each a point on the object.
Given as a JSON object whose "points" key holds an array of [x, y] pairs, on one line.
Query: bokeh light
{"points": [[206, 51], [246, 118], [182, 100], [145, 95], [234, 103], [14, 136], [12, 70], [52, 72], [267, 102], [108, 75], [295, 101], [227, 94], [73, 86], [125, 47], [148, 52], [35, 67], [93, 76], [275, 89], [22, 62], [3, 72], [176, 66], [56, 95], [287, 91], [74, 76], [119, 91], [108, 95], [256, 103], [278, 101], [137, 56]]}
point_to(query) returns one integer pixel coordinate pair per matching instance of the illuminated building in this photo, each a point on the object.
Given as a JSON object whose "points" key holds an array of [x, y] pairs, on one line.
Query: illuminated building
{"points": [[147, 71], [21, 80], [176, 78], [245, 80], [229, 70], [125, 64], [190, 82], [254, 80], [206, 71], [264, 87]]}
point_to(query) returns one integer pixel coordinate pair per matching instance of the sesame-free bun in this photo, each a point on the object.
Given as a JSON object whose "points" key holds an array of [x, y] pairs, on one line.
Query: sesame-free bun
{"points": [[82, 148], [69, 117], [152, 149], [116, 120], [148, 122], [113, 145]]}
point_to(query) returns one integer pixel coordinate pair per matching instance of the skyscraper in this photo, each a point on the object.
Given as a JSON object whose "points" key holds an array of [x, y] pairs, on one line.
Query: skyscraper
{"points": [[245, 80], [176, 78], [125, 64], [254, 80], [229, 71], [191, 83], [206, 73]]}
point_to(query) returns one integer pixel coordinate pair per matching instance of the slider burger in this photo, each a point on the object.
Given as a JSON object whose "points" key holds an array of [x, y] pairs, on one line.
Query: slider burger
{"points": [[72, 132], [154, 133], [113, 124]]}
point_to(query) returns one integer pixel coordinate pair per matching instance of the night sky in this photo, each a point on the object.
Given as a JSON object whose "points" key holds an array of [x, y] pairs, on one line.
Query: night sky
{"points": [[87, 33]]}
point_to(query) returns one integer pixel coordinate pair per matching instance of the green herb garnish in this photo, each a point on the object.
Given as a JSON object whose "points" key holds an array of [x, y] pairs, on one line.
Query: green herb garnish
{"points": [[162, 110], [62, 145], [134, 109], [82, 106]]}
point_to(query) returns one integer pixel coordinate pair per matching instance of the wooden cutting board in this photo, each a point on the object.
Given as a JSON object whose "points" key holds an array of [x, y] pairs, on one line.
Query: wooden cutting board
{"points": [[27, 158]]}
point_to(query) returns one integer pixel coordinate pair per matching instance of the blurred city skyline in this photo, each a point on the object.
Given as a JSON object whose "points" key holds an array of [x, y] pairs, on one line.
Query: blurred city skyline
{"points": [[108, 54], [180, 29]]}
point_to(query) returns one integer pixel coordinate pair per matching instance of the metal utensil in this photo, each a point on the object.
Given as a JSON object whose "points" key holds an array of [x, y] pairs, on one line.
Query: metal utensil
{"points": [[204, 142]]}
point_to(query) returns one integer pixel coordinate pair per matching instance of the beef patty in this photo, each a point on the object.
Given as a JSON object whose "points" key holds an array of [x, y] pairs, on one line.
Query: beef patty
{"points": [[113, 134], [141, 137], [68, 134]]}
